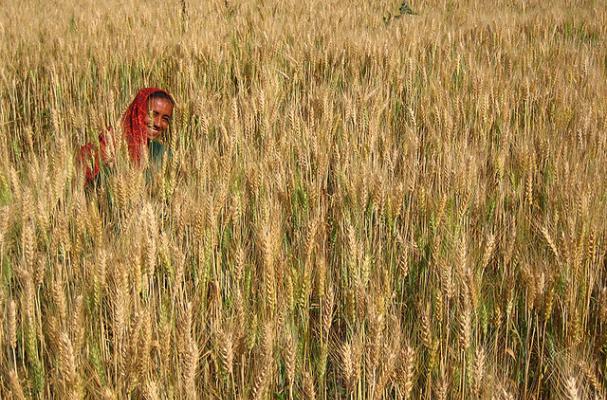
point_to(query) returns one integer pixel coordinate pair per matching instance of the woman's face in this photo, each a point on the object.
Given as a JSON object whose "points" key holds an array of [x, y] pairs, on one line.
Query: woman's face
{"points": [[158, 119]]}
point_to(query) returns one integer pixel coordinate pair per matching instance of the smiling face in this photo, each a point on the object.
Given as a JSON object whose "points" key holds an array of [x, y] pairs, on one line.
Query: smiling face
{"points": [[159, 117]]}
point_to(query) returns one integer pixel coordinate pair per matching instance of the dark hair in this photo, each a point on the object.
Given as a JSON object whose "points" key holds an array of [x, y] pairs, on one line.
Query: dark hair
{"points": [[161, 95]]}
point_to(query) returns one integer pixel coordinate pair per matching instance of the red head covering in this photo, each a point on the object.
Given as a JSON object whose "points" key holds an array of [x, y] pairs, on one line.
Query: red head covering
{"points": [[134, 130], [133, 122]]}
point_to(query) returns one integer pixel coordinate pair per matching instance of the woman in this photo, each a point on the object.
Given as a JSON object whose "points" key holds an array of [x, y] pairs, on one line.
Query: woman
{"points": [[143, 123]]}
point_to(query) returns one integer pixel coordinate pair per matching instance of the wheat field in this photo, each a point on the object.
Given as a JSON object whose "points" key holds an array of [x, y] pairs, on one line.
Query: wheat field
{"points": [[359, 204]]}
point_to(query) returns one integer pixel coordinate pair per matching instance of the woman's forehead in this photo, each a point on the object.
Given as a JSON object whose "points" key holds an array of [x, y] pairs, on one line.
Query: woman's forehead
{"points": [[161, 105]]}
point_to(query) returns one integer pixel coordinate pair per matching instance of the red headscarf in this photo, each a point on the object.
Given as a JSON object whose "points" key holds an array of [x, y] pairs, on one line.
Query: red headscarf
{"points": [[133, 122], [134, 130]]}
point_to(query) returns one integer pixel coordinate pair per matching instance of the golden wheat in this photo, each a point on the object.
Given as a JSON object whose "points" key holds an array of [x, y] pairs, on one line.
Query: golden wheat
{"points": [[357, 202]]}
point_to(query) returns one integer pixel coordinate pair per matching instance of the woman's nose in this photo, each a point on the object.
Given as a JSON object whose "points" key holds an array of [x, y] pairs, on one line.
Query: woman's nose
{"points": [[161, 123]]}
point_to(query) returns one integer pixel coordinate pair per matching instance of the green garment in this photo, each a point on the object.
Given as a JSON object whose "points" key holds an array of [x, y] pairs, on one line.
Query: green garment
{"points": [[101, 189], [156, 152]]}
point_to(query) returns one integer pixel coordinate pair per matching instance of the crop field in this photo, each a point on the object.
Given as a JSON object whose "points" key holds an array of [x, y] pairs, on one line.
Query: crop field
{"points": [[359, 203]]}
